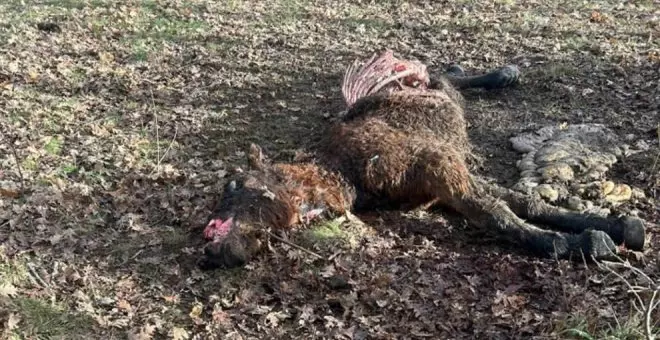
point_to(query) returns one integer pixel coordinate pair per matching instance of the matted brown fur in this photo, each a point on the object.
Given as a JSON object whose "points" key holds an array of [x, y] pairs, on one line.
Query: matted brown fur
{"points": [[396, 165], [308, 184], [273, 196], [278, 195]]}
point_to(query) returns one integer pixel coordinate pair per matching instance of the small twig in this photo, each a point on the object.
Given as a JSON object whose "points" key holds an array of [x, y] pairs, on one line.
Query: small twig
{"points": [[293, 244], [657, 157], [153, 107], [246, 330], [561, 275], [264, 229], [35, 276], [625, 264], [169, 147], [18, 167], [606, 264], [657, 303], [647, 316], [657, 322], [647, 308], [137, 253]]}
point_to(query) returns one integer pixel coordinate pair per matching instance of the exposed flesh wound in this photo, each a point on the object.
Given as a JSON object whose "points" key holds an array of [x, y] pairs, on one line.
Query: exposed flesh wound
{"points": [[217, 229], [382, 71]]}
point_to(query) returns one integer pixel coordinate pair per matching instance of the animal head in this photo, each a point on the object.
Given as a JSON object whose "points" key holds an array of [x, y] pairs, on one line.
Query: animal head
{"points": [[251, 200], [382, 72]]}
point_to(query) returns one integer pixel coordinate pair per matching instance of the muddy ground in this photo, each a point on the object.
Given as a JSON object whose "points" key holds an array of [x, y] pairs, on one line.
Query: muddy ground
{"points": [[120, 119]]}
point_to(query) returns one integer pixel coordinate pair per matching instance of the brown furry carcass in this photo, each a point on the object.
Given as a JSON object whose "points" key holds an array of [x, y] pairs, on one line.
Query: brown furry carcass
{"points": [[403, 141]]}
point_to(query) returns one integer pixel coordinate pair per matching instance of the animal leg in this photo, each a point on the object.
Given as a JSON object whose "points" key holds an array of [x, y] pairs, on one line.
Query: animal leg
{"points": [[445, 176], [627, 230], [456, 70], [492, 213], [502, 77]]}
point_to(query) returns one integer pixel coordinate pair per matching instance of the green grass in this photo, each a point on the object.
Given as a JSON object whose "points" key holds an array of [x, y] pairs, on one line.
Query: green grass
{"points": [[140, 50], [580, 327], [53, 145], [327, 231], [30, 163], [41, 319], [12, 271], [554, 72], [72, 4], [334, 233], [376, 25], [67, 169], [151, 25], [233, 5]]}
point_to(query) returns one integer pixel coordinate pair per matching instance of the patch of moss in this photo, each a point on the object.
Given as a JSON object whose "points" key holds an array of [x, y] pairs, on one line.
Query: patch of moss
{"points": [[332, 234], [54, 145], [49, 320], [12, 271]]}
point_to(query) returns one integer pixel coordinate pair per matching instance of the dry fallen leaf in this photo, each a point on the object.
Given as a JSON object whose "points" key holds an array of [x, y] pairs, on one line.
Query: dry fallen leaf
{"points": [[8, 289], [9, 193], [221, 317], [55, 239], [146, 332], [32, 77], [196, 312], [124, 305], [597, 17], [106, 57], [13, 321], [171, 298], [179, 333]]}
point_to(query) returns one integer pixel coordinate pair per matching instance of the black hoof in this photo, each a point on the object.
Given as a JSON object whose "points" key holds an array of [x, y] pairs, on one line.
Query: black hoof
{"points": [[456, 70], [502, 77], [597, 244], [634, 233], [225, 255], [205, 264]]}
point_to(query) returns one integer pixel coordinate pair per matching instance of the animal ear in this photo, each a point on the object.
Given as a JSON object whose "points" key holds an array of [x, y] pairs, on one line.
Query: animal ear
{"points": [[256, 158], [232, 187]]}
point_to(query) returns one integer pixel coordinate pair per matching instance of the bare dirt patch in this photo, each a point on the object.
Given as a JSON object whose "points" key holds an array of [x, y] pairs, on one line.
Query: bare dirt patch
{"points": [[119, 120]]}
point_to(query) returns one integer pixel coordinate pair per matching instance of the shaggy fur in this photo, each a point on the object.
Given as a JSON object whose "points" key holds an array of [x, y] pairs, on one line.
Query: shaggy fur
{"points": [[404, 145]]}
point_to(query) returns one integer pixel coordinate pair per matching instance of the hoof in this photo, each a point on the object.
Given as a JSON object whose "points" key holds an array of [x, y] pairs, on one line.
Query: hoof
{"points": [[597, 244], [502, 77], [634, 233], [205, 264], [226, 255], [456, 70]]}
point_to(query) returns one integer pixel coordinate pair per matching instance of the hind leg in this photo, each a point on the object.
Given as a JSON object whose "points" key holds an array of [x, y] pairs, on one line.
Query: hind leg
{"points": [[489, 212], [502, 77], [627, 230], [445, 178]]}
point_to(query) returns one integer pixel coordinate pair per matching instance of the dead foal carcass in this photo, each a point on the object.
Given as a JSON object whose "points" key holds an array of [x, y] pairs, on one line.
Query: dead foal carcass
{"points": [[402, 141]]}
